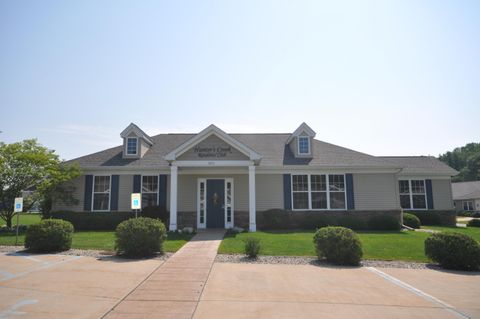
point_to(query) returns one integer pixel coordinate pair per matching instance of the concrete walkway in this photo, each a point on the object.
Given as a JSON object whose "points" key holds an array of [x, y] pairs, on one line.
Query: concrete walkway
{"points": [[173, 290]]}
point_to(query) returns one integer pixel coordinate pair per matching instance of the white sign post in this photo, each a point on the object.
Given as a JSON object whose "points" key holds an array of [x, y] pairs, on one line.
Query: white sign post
{"points": [[136, 203], [18, 208]]}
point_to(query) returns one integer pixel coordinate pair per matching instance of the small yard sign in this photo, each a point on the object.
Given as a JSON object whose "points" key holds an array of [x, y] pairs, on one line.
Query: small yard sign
{"points": [[136, 201], [18, 208]]}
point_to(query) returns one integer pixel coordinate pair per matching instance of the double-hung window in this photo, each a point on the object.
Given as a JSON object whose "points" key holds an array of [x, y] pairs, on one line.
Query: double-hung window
{"points": [[412, 194], [303, 145], [149, 191], [468, 205], [101, 193], [132, 145], [312, 191]]}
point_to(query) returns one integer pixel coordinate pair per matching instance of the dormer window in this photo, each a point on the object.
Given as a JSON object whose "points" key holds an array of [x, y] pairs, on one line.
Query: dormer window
{"points": [[303, 145], [132, 145]]}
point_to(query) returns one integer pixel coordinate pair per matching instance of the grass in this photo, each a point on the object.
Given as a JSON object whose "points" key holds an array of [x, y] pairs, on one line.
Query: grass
{"points": [[24, 219], [471, 231]]}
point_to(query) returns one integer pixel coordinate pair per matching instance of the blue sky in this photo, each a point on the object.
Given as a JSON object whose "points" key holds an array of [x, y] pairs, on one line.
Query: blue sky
{"points": [[381, 77]]}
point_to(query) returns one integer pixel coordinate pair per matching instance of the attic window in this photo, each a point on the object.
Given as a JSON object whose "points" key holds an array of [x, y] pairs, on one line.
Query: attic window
{"points": [[303, 145], [132, 145]]}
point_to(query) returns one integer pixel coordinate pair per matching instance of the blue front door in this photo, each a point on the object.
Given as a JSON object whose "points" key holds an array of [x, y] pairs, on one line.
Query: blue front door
{"points": [[215, 203]]}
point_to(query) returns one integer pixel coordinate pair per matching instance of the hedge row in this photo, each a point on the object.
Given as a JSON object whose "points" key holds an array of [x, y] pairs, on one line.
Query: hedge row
{"points": [[436, 217], [93, 220]]}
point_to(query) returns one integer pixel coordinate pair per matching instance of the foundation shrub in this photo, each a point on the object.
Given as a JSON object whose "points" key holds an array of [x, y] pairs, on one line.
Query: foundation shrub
{"points": [[474, 223], [411, 220], [434, 217], [274, 219], [49, 235], [252, 247], [315, 221], [453, 251], [156, 212], [353, 222], [140, 237], [383, 222], [93, 220], [339, 245]]}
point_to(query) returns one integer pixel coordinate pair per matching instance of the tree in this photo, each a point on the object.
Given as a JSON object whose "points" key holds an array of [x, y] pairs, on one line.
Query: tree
{"points": [[466, 160], [29, 165]]}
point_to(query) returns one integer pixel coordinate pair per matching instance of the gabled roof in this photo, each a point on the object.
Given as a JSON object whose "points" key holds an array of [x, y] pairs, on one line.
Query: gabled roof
{"points": [[137, 131], [209, 131], [466, 190], [415, 165], [302, 128]]}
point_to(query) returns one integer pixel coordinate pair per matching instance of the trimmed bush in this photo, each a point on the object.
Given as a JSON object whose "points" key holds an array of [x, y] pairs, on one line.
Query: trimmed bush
{"points": [[476, 215], [474, 223], [411, 220], [50, 235], [453, 251], [275, 219], [156, 212], [338, 245], [384, 223], [252, 247], [436, 217], [140, 237], [353, 222], [93, 220]]}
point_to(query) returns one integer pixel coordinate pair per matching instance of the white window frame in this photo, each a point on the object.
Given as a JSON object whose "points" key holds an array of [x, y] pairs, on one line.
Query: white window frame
{"points": [[126, 146], [109, 193], [310, 192], [231, 205], [467, 202], [141, 187], [227, 225], [411, 193], [298, 145]]}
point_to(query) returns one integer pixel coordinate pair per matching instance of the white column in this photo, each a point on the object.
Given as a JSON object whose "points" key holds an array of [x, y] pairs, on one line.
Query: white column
{"points": [[251, 199], [173, 197]]}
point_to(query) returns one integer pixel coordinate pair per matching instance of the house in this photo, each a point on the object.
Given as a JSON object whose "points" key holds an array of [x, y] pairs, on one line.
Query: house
{"points": [[466, 196], [216, 179]]}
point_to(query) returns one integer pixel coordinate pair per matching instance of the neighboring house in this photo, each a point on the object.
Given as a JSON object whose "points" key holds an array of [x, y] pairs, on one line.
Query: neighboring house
{"points": [[215, 179], [466, 196]]}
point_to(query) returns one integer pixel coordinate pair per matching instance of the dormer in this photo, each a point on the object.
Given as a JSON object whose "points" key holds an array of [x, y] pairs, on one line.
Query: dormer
{"points": [[135, 142], [301, 141]]}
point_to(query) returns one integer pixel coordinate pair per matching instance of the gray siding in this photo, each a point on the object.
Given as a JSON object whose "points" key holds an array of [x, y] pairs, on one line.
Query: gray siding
{"points": [[442, 194], [79, 184], [375, 191], [125, 190], [269, 191]]}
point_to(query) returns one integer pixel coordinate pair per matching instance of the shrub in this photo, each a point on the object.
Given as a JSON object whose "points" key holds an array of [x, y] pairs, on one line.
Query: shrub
{"points": [[140, 237], [275, 219], [436, 217], [252, 247], [384, 222], [93, 220], [411, 220], [338, 245], [49, 235], [453, 251], [474, 223], [353, 222], [156, 212], [476, 215], [465, 213]]}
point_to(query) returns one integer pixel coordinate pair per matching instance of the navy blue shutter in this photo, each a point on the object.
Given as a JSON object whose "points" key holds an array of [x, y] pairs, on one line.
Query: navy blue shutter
{"points": [[137, 183], [428, 186], [114, 193], [87, 202], [162, 191], [287, 191], [350, 197]]}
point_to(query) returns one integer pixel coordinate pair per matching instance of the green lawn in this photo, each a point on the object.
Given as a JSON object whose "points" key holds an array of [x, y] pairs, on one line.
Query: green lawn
{"points": [[471, 231], [24, 219], [102, 240]]}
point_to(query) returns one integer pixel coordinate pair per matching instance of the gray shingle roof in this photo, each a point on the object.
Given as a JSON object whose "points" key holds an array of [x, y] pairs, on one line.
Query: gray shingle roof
{"points": [[271, 147], [466, 190], [420, 165]]}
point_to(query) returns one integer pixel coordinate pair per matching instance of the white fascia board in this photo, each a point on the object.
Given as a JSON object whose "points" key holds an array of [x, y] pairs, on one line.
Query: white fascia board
{"points": [[302, 128], [138, 132], [347, 169], [212, 163], [212, 130]]}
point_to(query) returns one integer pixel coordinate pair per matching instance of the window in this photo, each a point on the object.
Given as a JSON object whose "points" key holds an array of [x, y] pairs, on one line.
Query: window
{"points": [[303, 145], [101, 193], [132, 145], [228, 202], [202, 204], [149, 191], [468, 205], [412, 194], [312, 192]]}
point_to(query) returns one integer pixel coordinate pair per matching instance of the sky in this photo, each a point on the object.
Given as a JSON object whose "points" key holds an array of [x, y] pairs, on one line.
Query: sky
{"points": [[381, 77]]}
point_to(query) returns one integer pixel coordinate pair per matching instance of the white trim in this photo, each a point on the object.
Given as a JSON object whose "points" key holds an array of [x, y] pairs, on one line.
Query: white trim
{"points": [[173, 197], [302, 128], [158, 186], [204, 224], [137, 131], [230, 224], [109, 193], [136, 146], [298, 145], [327, 180], [411, 193], [225, 206], [211, 163], [252, 212], [207, 132]]}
